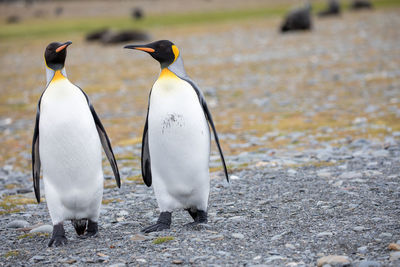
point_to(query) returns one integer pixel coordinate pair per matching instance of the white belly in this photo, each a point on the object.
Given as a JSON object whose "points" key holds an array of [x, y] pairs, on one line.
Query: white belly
{"points": [[70, 153], [179, 143]]}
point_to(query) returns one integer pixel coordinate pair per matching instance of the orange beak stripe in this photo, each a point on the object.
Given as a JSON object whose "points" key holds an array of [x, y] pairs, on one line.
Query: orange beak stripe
{"points": [[146, 49], [61, 48]]}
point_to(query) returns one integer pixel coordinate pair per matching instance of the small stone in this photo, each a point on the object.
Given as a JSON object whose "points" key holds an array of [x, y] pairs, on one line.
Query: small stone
{"points": [[138, 237], [323, 234], [238, 235], [290, 246], [334, 260], [350, 175], [394, 256], [273, 258], [119, 264], [233, 177], [385, 235], [358, 228], [324, 174], [362, 250], [42, 229], [17, 224], [38, 258], [277, 237], [256, 258], [236, 218], [292, 172], [394, 246], [367, 263], [177, 261]]}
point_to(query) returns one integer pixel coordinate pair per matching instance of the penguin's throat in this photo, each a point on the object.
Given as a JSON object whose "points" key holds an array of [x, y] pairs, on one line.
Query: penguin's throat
{"points": [[58, 76], [167, 74]]}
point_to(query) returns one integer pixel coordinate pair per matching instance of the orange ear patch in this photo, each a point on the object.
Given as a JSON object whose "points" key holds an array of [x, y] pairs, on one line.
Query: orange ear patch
{"points": [[175, 50]]}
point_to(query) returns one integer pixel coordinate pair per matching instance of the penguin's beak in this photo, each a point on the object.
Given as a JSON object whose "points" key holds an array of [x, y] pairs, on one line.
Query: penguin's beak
{"points": [[140, 47], [63, 46]]}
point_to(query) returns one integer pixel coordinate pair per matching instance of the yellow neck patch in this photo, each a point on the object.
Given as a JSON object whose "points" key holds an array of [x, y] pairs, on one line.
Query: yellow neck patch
{"points": [[175, 50], [57, 76], [167, 74]]}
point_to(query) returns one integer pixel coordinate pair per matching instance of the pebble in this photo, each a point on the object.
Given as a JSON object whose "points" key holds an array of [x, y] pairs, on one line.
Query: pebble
{"points": [[138, 237], [367, 263], [238, 235], [277, 237], [17, 224], [324, 174], [394, 256], [273, 258], [362, 250], [350, 175], [290, 246], [334, 260], [358, 228], [385, 235], [42, 229], [38, 258], [324, 234], [119, 264]]}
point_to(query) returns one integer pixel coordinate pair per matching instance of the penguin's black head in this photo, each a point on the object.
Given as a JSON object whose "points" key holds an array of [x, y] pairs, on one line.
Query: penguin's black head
{"points": [[163, 51], [55, 55]]}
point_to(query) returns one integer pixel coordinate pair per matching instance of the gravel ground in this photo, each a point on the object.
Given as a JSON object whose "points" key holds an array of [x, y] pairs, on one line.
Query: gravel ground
{"points": [[268, 215], [310, 127]]}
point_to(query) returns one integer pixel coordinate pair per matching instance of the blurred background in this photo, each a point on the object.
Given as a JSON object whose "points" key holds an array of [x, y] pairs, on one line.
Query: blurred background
{"points": [[289, 83]]}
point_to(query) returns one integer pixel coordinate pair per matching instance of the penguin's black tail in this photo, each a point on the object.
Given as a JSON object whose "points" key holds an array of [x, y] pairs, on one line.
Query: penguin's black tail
{"points": [[79, 225]]}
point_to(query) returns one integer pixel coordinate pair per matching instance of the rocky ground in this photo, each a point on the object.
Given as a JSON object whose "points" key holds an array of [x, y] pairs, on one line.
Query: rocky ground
{"points": [[309, 124]]}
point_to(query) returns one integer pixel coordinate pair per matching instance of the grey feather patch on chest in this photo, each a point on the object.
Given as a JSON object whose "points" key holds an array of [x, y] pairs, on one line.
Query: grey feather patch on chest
{"points": [[172, 120]]}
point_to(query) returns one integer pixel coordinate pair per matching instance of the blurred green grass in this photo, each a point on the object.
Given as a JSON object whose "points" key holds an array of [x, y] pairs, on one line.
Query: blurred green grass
{"points": [[56, 27]]}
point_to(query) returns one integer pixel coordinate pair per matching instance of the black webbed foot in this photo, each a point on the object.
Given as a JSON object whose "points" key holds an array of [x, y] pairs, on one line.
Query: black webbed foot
{"points": [[198, 216], [58, 237], [163, 222], [92, 229]]}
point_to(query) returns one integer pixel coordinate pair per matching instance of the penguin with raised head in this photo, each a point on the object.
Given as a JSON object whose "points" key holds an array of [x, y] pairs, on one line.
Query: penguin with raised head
{"points": [[176, 139], [67, 142]]}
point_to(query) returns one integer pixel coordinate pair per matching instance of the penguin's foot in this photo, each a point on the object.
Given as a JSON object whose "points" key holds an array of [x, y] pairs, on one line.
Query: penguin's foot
{"points": [[163, 222], [198, 216], [92, 229], [58, 237]]}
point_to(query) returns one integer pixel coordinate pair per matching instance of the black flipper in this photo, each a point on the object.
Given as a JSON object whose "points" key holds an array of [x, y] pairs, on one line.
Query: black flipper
{"points": [[208, 115], [35, 153], [105, 142], [145, 158]]}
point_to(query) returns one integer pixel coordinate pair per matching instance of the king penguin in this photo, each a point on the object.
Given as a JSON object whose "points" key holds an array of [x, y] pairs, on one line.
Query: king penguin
{"points": [[176, 139], [67, 142]]}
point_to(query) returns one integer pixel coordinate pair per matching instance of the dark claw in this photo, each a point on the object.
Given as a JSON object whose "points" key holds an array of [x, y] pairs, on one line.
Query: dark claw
{"points": [[58, 241], [155, 228], [58, 237], [163, 222]]}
